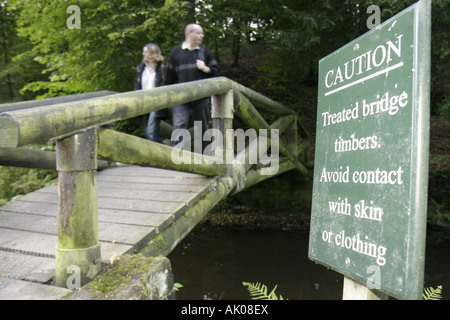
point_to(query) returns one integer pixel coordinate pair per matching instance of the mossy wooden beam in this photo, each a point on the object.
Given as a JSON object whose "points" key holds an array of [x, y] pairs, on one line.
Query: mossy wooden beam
{"points": [[283, 123], [243, 157], [290, 123], [268, 104], [254, 176], [252, 118], [304, 149], [37, 125], [292, 138], [262, 101], [29, 158], [51, 101], [302, 130], [170, 237], [125, 148], [298, 149]]}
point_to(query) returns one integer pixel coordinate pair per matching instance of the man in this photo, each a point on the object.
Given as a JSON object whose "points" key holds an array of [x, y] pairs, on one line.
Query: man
{"points": [[189, 62]]}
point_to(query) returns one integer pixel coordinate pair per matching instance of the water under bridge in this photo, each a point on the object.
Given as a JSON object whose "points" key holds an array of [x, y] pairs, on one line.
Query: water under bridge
{"points": [[117, 193]]}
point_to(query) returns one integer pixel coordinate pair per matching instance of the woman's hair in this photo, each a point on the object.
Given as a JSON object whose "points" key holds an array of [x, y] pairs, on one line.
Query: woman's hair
{"points": [[154, 51]]}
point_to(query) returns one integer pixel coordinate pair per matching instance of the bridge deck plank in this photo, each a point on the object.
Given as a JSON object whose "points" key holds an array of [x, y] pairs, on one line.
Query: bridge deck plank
{"points": [[134, 204]]}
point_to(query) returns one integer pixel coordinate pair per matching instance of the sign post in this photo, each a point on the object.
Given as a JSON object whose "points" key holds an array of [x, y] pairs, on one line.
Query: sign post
{"points": [[368, 218]]}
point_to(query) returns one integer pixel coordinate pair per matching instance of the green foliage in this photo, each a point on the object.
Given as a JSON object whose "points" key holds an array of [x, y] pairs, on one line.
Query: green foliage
{"points": [[231, 24], [20, 181], [14, 73], [16, 181], [258, 291], [177, 286], [432, 294], [103, 53], [302, 32]]}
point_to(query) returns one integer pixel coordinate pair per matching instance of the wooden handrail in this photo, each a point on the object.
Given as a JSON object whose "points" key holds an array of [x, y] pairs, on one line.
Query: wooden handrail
{"points": [[75, 126], [29, 158], [5, 107], [38, 125], [57, 118]]}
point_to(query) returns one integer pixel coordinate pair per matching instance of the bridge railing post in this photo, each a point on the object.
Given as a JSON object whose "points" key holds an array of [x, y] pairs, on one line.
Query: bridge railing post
{"points": [[77, 255], [222, 120]]}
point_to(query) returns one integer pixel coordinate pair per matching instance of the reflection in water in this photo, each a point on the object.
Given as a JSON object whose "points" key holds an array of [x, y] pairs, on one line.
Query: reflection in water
{"points": [[212, 263]]}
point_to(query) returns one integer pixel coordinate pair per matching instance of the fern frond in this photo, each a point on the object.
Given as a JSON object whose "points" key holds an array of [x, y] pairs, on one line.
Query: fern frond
{"points": [[432, 294], [258, 291]]}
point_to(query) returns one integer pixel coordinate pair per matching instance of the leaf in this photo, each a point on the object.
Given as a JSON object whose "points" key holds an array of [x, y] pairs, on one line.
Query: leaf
{"points": [[432, 294], [177, 286], [258, 291]]}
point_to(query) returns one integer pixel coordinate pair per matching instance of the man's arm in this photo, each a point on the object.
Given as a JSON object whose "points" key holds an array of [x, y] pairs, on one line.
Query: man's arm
{"points": [[170, 76], [211, 66]]}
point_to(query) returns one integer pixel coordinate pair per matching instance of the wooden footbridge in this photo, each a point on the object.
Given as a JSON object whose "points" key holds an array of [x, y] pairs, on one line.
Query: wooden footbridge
{"points": [[118, 193]]}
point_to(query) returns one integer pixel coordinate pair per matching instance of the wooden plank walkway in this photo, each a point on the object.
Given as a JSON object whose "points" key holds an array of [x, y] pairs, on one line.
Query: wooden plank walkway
{"points": [[134, 205]]}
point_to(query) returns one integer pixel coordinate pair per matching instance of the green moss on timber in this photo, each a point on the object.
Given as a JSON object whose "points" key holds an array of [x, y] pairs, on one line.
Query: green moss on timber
{"points": [[159, 241], [77, 215], [115, 279], [185, 222]]}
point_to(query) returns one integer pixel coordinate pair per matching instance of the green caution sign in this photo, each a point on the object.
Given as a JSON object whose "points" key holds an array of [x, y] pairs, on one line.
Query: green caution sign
{"points": [[368, 217]]}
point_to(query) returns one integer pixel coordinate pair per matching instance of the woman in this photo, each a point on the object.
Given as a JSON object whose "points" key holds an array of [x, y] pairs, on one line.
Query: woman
{"points": [[149, 74]]}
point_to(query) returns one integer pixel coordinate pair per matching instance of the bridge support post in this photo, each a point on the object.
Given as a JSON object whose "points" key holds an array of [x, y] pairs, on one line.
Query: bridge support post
{"points": [[222, 119], [77, 255], [222, 115]]}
